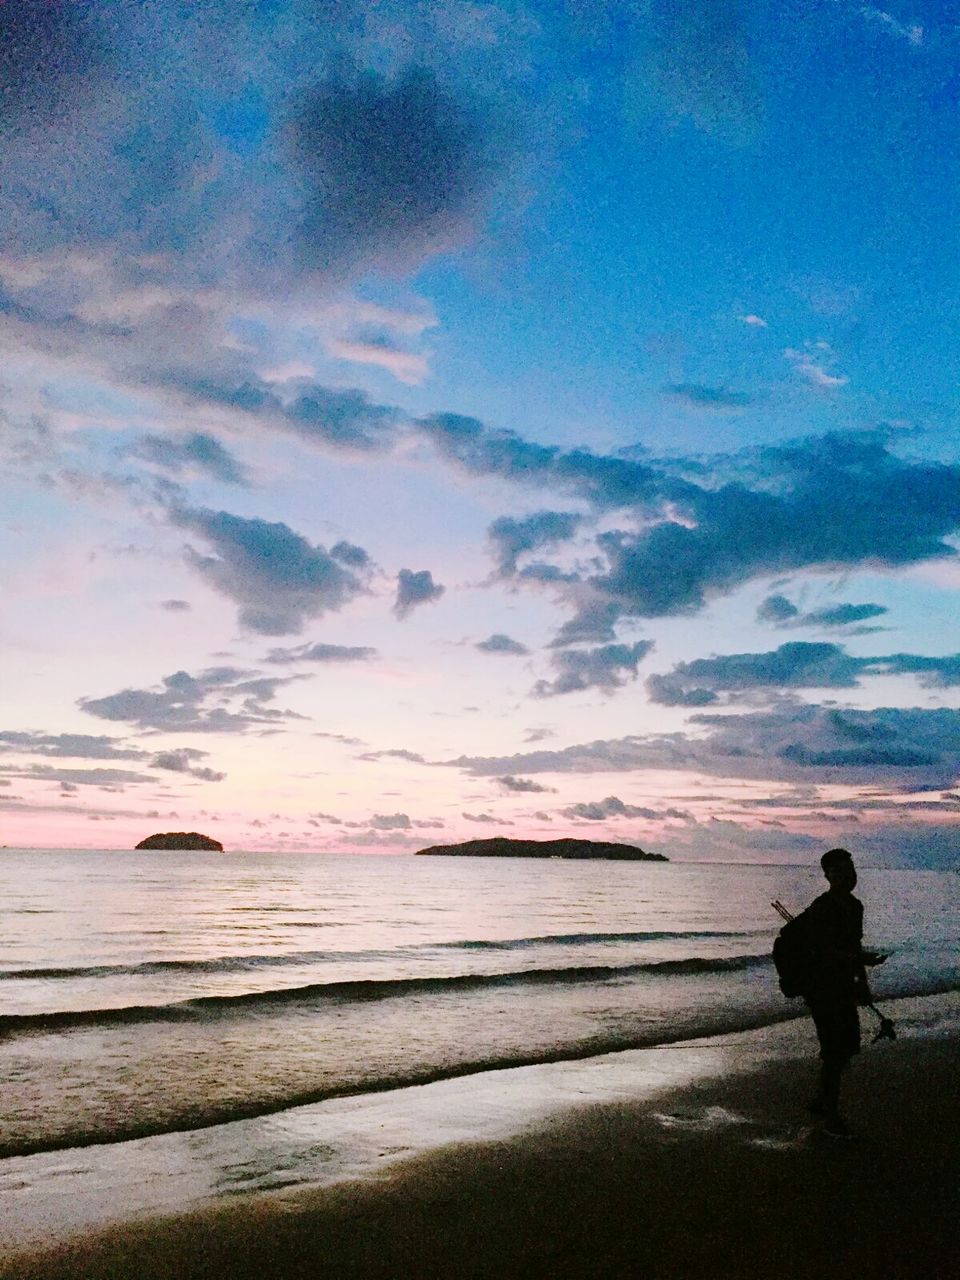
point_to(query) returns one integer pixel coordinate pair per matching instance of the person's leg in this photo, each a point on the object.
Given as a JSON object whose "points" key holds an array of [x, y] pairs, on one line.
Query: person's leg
{"points": [[838, 1032], [832, 1068]]}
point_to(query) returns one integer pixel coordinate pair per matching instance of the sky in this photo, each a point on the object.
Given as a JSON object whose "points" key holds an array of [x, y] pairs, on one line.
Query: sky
{"points": [[424, 422]]}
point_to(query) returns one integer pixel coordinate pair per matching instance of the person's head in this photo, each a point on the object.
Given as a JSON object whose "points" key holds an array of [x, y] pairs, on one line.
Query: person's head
{"points": [[838, 867]]}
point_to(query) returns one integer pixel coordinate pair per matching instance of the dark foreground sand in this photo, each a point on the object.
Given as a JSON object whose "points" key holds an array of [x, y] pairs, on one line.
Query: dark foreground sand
{"points": [[648, 1190]]}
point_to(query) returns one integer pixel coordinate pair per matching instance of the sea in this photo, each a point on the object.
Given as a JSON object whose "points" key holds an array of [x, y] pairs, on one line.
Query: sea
{"points": [[146, 993]]}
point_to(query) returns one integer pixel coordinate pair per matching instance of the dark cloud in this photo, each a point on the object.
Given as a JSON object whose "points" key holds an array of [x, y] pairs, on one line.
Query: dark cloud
{"points": [[392, 170], [594, 621], [777, 609], [892, 513], [712, 399], [908, 749], [606, 668], [82, 746], [706, 536], [45, 51], [604, 481], [320, 653], [196, 704], [933, 673], [781, 612], [512, 538], [799, 665], [842, 615], [487, 818], [499, 643], [176, 606], [414, 589], [195, 452], [521, 786], [341, 420], [186, 760], [277, 578]]}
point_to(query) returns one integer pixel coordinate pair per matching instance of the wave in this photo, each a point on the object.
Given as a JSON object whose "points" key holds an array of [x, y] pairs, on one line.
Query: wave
{"points": [[123, 1127], [244, 963], [583, 939], [364, 989]]}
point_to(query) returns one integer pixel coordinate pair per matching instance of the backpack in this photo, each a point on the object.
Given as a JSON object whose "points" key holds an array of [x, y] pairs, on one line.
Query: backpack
{"points": [[791, 956]]}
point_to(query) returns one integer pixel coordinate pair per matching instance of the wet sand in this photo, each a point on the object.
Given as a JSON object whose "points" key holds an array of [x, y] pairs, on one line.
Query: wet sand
{"points": [[724, 1178]]}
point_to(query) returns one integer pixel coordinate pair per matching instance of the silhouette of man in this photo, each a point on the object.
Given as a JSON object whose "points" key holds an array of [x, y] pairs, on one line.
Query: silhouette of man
{"points": [[836, 981]]}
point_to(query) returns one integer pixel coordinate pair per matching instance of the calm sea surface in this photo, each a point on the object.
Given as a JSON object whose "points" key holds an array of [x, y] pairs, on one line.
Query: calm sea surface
{"points": [[147, 992]]}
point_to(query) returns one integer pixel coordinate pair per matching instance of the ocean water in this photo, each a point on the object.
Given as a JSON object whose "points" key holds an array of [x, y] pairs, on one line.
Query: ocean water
{"points": [[147, 993]]}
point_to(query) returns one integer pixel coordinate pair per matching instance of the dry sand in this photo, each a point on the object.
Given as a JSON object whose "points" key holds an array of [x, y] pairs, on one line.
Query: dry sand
{"points": [[725, 1178]]}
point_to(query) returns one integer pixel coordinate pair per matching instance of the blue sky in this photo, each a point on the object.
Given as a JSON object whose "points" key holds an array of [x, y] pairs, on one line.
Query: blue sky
{"points": [[421, 422]]}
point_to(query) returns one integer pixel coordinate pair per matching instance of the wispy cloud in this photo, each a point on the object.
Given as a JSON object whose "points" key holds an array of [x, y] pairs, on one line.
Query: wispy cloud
{"points": [[912, 32], [320, 653]]}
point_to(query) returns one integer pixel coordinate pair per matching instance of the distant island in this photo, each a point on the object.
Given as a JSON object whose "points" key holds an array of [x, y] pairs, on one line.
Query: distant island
{"points": [[500, 847], [180, 840]]}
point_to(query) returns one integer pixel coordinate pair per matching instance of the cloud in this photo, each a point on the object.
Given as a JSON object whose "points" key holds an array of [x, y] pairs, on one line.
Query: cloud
{"points": [[182, 703], [798, 665], [176, 606], [320, 653], [499, 643], [614, 807], [710, 399], [391, 170], [792, 519], [346, 421], [196, 452], [414, 589], [906, 748], [778, 610], [184, 760], [781, 612], [397, 753], [755, 322], [390, 822], [512, 538], [606, 668], [109, 779], [913, 34], [813, 364], [83, 746], [277, 578], [594, 621], [487, 818], [697, 533], [406, 366], [521, 786]]}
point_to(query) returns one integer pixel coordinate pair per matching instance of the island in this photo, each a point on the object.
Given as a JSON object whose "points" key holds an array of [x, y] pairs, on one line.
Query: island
{"points": [[180, 840], [501, 847]]}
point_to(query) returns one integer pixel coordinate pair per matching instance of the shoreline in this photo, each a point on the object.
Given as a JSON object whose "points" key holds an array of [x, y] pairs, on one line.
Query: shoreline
{"points": [[687, 1170]]}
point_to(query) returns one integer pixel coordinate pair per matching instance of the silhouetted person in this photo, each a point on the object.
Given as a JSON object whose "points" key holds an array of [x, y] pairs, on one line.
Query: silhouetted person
{"points": [[836, 982]]}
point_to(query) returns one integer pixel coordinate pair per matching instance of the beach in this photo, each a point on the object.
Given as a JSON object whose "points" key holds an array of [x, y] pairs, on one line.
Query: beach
{"points": [[723, 1176]]}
